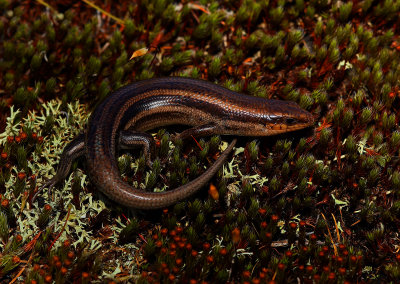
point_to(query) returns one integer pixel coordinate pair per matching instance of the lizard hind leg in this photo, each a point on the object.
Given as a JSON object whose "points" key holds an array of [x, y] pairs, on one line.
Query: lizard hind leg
{"points": [[129, 139]]}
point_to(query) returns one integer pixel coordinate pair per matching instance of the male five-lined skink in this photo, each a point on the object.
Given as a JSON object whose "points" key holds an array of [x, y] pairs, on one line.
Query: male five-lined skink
{"points": [[123, 117]]}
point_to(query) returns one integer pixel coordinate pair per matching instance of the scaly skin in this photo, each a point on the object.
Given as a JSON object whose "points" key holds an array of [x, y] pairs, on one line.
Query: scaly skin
{"points": [[210, 109]]}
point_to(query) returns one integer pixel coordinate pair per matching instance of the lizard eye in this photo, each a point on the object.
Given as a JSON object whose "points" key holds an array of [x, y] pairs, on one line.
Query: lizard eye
{"points": [[290, 121]]}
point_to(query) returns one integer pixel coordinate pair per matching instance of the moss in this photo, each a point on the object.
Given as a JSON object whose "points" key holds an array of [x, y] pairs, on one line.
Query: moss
{"points": [[314, 206]]}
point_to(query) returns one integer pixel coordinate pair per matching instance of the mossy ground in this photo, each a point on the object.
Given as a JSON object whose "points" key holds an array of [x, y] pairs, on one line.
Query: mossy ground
{"points": [[317, 206]]}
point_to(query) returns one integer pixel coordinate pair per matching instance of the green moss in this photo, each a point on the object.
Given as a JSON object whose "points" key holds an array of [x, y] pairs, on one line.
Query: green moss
{"points": [[324, 56]]}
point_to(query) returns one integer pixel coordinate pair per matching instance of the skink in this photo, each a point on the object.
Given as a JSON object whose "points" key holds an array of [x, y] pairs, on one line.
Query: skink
{"points": [[123, 117]]}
